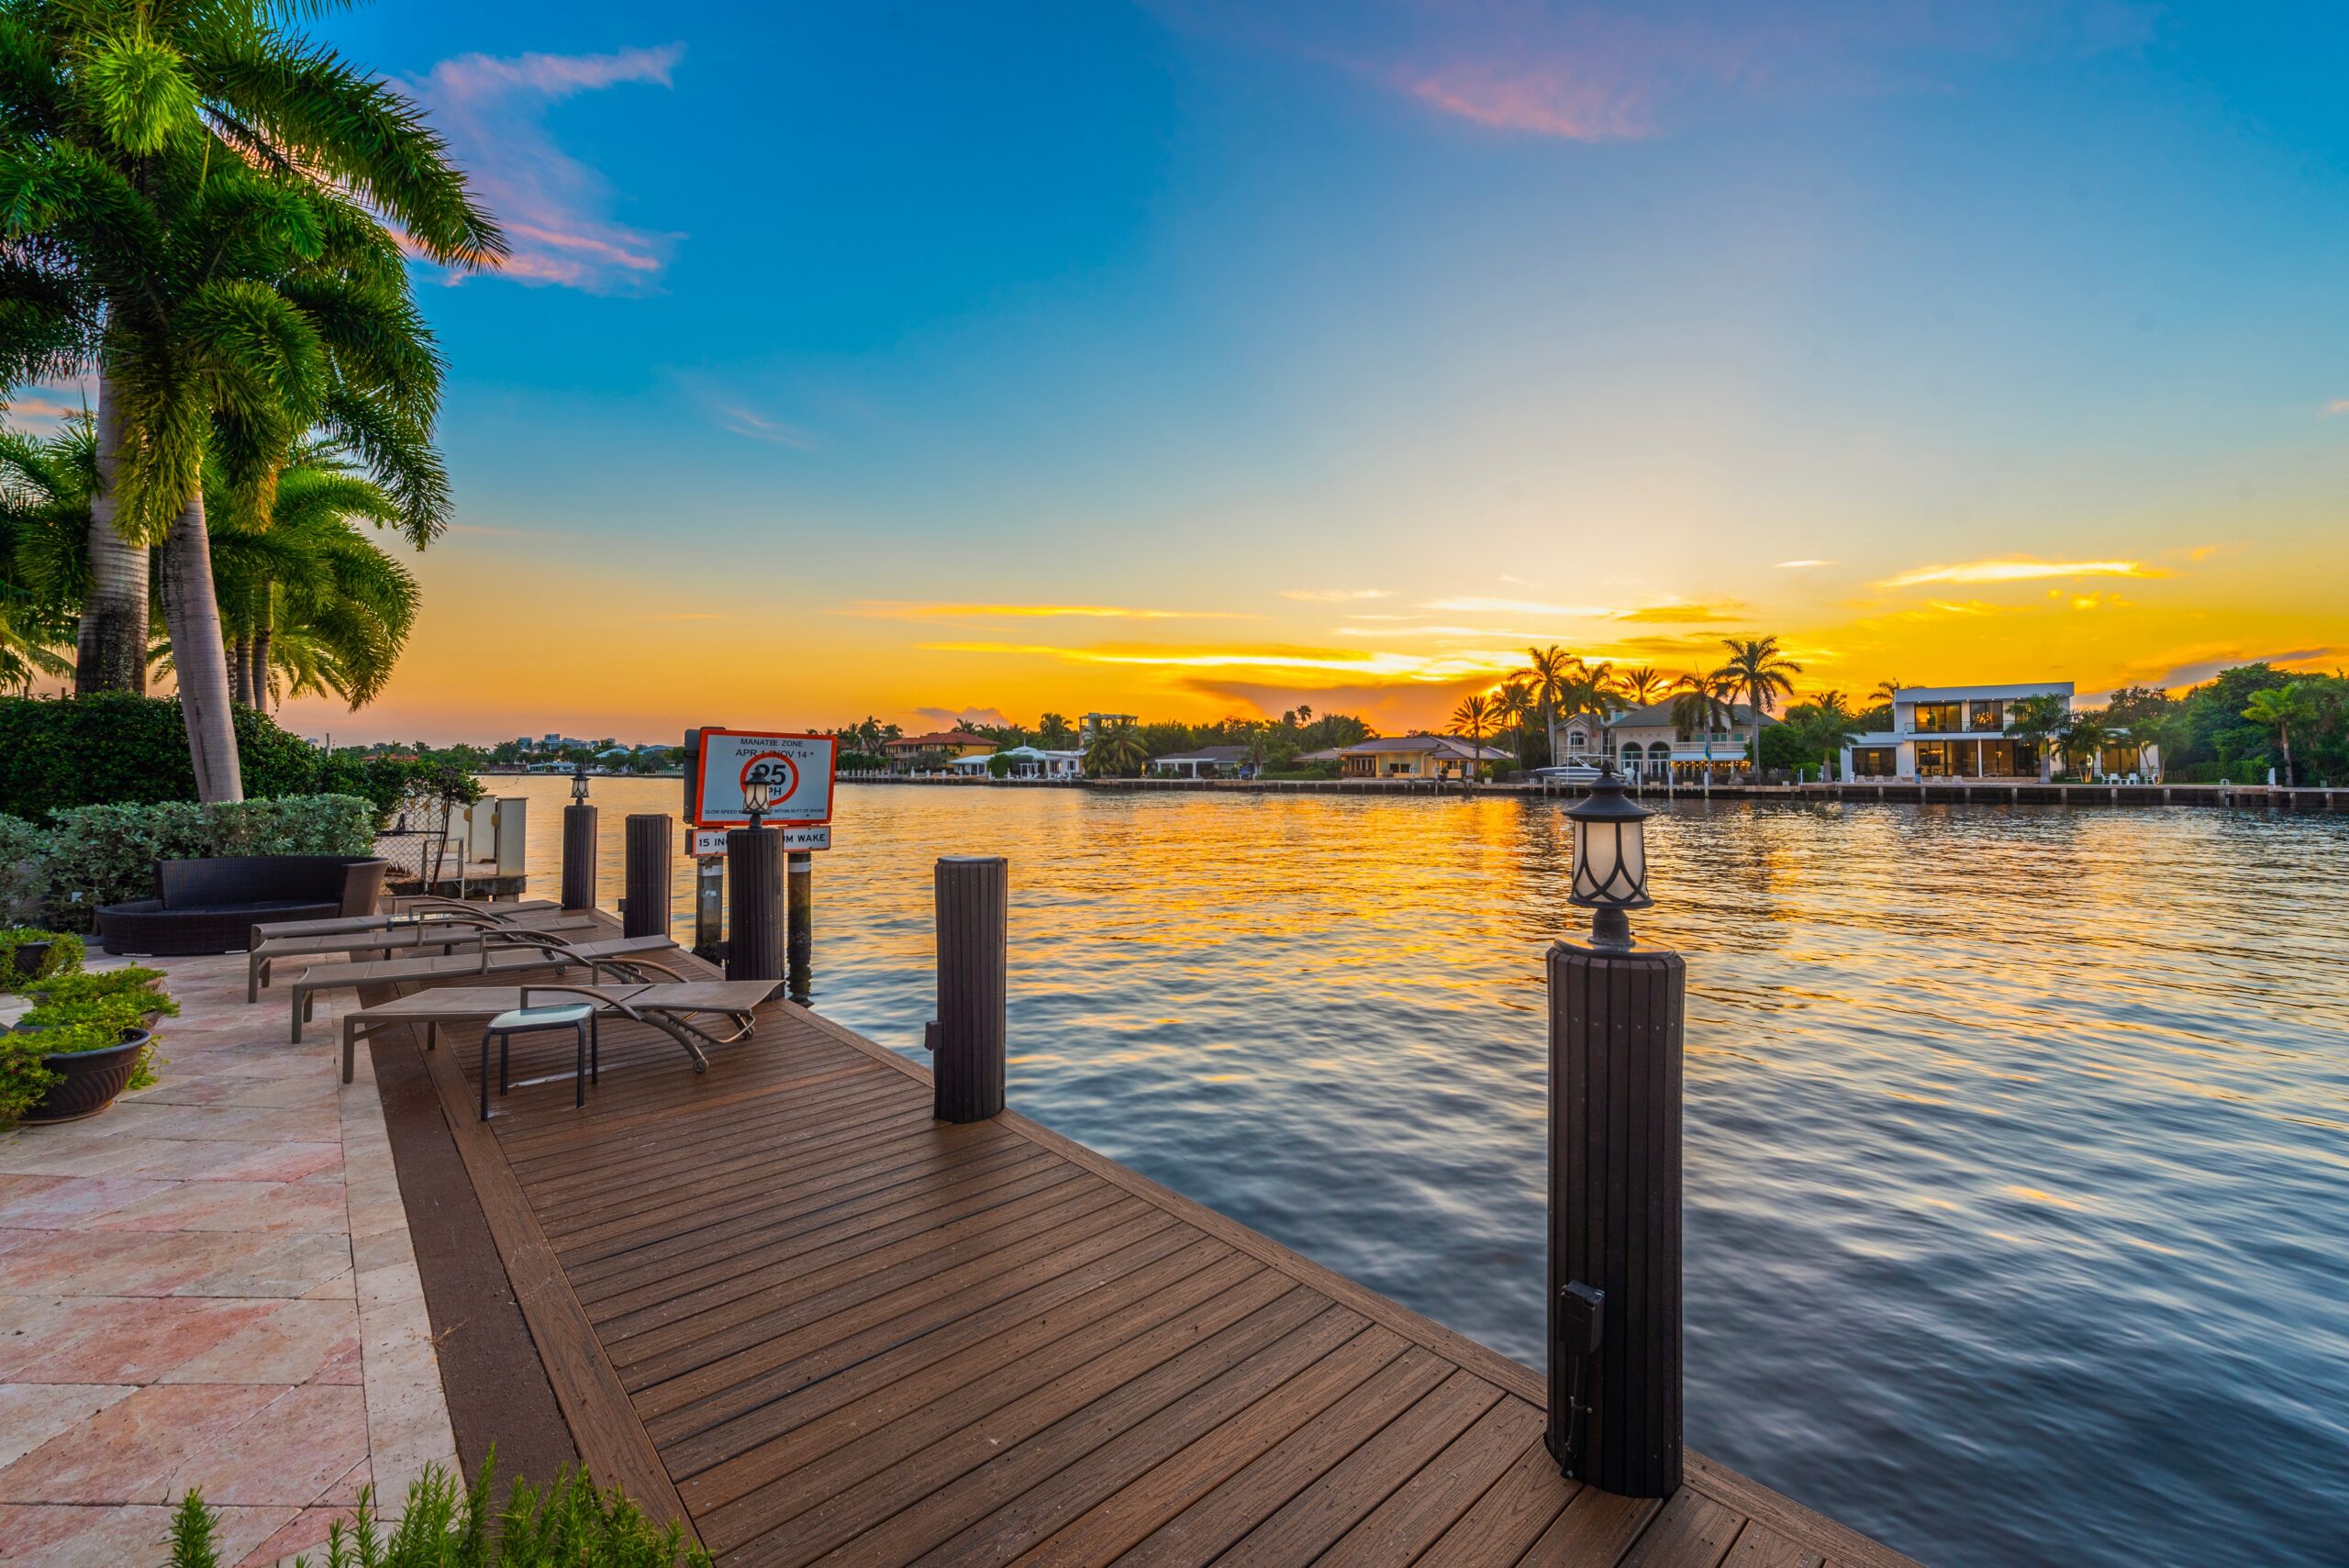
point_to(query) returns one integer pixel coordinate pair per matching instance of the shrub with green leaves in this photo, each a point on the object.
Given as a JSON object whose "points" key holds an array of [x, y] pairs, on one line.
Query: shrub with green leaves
{"points": [[112, 746], [63, 958], [107, 854], [24, 871], [76, 1013], [573, 1524]]}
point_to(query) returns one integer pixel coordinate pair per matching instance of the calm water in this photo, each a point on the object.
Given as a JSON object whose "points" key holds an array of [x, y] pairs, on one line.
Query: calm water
{"points": [[2018, 1140]]}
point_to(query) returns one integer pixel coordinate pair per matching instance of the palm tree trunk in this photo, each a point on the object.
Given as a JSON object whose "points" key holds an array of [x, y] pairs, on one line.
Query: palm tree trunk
{"points": [[193, 615], [110, 652], [260, 665], [239, 692]]}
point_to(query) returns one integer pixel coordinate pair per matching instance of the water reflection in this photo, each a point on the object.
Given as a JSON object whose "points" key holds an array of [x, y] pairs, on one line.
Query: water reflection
{"points": [[2017, 1137]]}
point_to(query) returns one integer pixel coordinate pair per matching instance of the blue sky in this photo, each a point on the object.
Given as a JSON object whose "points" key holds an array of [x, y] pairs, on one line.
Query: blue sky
{"points": [[844, 345]]}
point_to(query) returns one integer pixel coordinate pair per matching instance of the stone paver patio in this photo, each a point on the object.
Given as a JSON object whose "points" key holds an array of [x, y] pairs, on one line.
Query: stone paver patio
{"points": [[211, 1286]]}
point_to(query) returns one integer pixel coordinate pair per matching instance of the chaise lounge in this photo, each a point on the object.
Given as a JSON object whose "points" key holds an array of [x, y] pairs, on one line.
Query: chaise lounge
{"points": [[212, 906]]}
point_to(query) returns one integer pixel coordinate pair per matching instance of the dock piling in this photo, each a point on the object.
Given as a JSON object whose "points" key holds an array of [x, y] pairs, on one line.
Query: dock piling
{"points": [[644, 908], [579, 856], [754, 917], [969, 1038], [801, 901], [1615, 1189]]}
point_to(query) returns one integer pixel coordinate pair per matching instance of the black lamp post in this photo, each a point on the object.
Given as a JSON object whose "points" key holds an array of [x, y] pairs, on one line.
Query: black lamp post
{"points": [[579, 845], [1615, 1174], [1610, 876], [758, 793]]}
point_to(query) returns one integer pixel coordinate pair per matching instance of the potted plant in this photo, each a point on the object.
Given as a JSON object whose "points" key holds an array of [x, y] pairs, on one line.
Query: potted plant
{"points": [[28, 956], [89, 1038]]}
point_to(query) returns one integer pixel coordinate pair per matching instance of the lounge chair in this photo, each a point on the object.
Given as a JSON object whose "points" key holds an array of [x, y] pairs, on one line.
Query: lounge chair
{"points": [[501, 953], [416, 912], [669, 1008], [388, 938]]}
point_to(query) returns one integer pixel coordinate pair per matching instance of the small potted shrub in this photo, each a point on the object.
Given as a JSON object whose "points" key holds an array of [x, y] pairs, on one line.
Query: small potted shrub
{"points": [[89, 1039], [28, 956]]}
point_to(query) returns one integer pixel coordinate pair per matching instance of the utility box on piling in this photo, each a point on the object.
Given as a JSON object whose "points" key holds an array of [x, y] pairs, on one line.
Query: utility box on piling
{"points": [[1615, 1188], [969, 1038]]}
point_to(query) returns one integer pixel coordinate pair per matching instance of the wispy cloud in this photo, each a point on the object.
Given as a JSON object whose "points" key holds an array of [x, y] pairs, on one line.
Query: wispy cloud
{"points": [[1802, 565], [1576, 71], [1684, 613], [1340, 661], [1335, 595], [759, 428], [555, 209], [2338, 405], [1474, 605], [909, 609], [2018, 569], [36, 408]]}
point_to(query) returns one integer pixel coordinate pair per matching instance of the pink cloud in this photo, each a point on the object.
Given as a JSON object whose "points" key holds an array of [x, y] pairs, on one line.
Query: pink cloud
{"points": [[1583, 70], [555, 209]]}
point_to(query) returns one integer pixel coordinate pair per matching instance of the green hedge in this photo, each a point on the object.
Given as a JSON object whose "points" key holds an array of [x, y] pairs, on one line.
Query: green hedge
{"points": [[106, 854], [114, 746]]}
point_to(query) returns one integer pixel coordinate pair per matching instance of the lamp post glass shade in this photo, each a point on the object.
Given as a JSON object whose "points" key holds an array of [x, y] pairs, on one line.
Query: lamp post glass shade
{"points": [[758, 791], [579, 784], [1610, 874]]}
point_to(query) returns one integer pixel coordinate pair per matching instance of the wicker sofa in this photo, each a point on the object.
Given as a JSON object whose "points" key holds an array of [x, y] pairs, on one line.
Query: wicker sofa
{"points": [[212, 906]]}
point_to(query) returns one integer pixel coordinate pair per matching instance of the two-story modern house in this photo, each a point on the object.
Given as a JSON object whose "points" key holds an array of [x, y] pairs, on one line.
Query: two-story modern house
{"points": [[1953, 732]]}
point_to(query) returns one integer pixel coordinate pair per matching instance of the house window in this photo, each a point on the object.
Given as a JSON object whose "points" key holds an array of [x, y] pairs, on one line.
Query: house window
{"points": [[1940, 717], [1575, 739], [1934, 760], [1990, 715], [1874, 761]]}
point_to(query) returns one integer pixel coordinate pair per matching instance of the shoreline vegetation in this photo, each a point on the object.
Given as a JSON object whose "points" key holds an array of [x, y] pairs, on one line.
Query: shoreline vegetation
{"points": [[2230, 728]]}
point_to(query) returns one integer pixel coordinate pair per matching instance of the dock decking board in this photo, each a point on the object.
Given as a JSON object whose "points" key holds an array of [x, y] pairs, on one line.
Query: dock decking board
{"points": [[780, 1303]]}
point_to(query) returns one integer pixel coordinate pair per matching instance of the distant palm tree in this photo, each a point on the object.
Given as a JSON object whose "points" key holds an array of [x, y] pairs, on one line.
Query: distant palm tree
{"points": [[1824, 724], [2083, 739], [1550, 669], [1513, 710], [1116, 751], [1762, 674], [2040, 719], [1473, 718], [1053, 731], [1642, 684], [1885, 692], [1700, 708], [2279, 708], [2159, 733]]}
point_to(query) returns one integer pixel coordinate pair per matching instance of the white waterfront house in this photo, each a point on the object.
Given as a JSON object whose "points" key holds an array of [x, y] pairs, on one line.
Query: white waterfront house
{"points": [[1959, 733], [1036, 762]]}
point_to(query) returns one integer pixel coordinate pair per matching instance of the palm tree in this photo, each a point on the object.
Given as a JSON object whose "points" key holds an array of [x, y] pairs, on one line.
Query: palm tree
{"points": [[1550, 669], [45, 487], [1513, 710], [2279, 708], [1115, 751], [2161, 732], [2040, 719], [1473, 718], [1885, 692], [2083, 737], [1824, 724], [1642, 684], [310, 596], [1700, 706], [182, 188], [1759, 671]]}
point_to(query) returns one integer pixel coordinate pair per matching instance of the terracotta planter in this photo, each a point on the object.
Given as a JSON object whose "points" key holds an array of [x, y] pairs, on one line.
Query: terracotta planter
{"points": [[89, 1079]]}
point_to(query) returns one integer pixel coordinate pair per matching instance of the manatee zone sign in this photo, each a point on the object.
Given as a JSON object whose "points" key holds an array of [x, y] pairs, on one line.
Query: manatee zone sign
{"points": [[798, 769]]}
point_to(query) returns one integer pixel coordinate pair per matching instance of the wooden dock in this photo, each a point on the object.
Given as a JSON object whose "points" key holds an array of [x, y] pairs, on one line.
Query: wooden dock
{"points": [[781, 1303]]}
